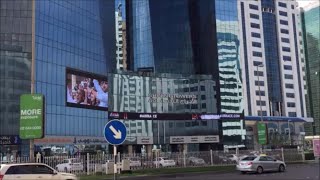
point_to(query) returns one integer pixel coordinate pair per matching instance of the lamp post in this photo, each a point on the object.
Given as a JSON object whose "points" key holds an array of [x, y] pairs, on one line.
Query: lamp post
{"points": [[289, 132]]}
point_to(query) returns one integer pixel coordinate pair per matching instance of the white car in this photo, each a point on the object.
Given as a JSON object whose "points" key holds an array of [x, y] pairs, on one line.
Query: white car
{"points": [[196, 161], [164, 162], [69, 165], [233, 157], [34, 171]]}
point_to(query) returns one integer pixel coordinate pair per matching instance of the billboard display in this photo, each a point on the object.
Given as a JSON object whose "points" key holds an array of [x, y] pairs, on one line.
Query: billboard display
{"points": [[32, 116], [86, 90], [262, 133]]}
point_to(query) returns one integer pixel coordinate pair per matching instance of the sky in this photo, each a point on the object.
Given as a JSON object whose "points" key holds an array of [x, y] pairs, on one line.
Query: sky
{"points": [[306, 3]]}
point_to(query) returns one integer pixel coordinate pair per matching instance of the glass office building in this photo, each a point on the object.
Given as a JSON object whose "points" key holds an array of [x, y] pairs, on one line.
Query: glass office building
{"points": [[190, 37], [74, 34], [228, 44], [310, 26], [15, 66]]}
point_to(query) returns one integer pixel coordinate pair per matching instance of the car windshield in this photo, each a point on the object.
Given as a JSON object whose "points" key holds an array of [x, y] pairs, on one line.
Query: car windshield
{"points": [[249, 158], [165, 158], [229, 156]]}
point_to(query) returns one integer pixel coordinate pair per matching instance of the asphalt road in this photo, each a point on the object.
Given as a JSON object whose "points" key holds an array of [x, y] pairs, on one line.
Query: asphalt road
{"points": [[293, 172]]}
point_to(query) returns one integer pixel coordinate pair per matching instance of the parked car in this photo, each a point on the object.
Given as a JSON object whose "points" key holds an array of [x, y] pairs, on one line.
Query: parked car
{"points": [[260, 164], [233, 157], [27, 171], [196, 161], [69, 165], [164, 162]]}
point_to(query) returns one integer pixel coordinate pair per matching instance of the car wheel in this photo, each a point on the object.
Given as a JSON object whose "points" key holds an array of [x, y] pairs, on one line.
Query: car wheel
{"points": [[243, 172], [259, 170], [282, 168]]}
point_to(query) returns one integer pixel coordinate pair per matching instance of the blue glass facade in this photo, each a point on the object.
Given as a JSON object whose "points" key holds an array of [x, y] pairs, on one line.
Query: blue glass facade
{"points": [[172, 36], [79, 35], [271, 54]]}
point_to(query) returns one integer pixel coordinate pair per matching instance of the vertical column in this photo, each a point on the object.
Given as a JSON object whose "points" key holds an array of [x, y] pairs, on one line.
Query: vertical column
{"points": [[130, 149]]}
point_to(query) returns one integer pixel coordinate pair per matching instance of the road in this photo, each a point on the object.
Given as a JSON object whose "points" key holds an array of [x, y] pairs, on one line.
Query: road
{"points": [[293, 172]]}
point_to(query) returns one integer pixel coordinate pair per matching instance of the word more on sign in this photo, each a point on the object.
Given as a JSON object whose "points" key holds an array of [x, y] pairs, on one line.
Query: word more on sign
{"points": [[31, 116]]}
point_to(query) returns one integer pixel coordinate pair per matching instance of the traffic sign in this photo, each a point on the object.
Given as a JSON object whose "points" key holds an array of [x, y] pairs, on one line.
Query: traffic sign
{"points": [[115, 132]]}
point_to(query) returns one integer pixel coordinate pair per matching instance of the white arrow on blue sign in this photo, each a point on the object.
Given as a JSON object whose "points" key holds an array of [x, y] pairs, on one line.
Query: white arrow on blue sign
{"points": [[115, 132]]}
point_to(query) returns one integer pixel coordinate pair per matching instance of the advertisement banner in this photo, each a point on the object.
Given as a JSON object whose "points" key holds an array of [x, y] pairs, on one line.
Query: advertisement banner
{"points": [[316, 147], [194, 139], [174, 116], [31, 116], [262, 133], [86, 90]]}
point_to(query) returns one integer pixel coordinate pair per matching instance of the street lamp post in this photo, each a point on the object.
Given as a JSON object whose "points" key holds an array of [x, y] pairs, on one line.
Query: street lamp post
{"points": [[289, 132]]}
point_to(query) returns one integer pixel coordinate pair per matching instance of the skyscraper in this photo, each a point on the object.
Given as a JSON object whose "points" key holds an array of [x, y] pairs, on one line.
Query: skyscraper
{"points": [[121, 55], [273, 65], [67, 34], [310, 24]]}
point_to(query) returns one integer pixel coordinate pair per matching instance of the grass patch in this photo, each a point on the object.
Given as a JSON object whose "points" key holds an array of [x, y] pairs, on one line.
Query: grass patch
{"points": [[163, 171]]}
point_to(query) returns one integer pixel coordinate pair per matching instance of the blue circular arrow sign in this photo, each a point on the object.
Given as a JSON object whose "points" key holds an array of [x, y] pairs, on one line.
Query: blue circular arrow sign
{"points": [[115, 132]]}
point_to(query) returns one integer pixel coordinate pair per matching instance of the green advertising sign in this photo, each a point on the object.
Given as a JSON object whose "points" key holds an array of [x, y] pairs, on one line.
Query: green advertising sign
{"points": [[262, 133], [31, 116]]}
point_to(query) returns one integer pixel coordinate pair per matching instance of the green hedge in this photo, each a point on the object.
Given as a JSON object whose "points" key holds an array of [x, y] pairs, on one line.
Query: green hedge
{"points": [[309, 156]]}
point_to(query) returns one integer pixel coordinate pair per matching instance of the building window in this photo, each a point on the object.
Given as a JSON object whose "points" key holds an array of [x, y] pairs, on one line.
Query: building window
{"points": [[257, 35], [255, 25], [261, 103], [256, 44], [288, 76], [257, 54], [291, 104], [281, 4], [283, 22], [204, 105], [290, 95], [257, 63], [283, 13], [254, 16], [264, 113], [259, 82], [286, 49], [292, 114], [260, 93], [258, 73], [285, 40], [255, 7], [203, 97], [286, 58], [289, 86], [287, 67], [284, 31], [292, 6], [203, 88]]}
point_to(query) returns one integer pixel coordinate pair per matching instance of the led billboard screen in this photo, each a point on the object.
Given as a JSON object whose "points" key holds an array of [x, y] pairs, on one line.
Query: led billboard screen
{"points": [[86, 90]]}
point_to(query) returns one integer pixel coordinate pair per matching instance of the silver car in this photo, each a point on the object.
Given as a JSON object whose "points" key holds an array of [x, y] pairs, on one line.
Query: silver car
{"points": [[260, 164]]}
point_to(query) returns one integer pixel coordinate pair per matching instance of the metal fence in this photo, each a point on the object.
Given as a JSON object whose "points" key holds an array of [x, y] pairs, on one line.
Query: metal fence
{"points": [[92, 164]]}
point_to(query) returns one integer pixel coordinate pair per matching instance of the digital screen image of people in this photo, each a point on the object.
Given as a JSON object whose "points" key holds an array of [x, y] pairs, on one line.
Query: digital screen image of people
{"points": [[87, 91]]}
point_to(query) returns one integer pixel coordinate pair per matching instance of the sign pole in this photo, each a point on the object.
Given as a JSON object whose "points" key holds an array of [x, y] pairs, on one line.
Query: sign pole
{"points": [[115, 162], [31, 145]]}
